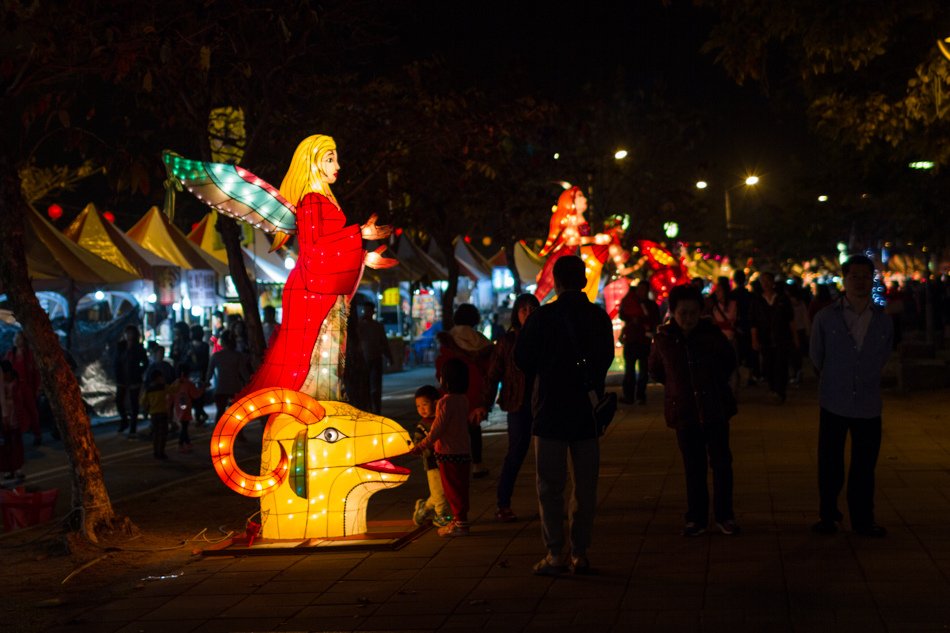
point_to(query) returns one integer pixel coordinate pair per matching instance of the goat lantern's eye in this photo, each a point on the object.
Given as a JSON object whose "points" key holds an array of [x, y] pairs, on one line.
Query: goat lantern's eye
{"points": [[330, 435]]}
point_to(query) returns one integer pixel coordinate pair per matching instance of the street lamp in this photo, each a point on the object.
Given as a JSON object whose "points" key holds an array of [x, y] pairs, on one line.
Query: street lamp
{"points": [[620, 154], [750, 181]]}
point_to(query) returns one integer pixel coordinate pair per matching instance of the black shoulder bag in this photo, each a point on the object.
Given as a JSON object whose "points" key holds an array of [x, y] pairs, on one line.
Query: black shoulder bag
{"points": [[603, 407]]}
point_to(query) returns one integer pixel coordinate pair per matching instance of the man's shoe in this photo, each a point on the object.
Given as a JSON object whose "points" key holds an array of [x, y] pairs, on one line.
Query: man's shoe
{"points": [[455, 528], [549, 566], [873, 531], [441, 520], [420, 514], [506, 515], [693, 529], [729, 528], [580, 566], [825, 528]]}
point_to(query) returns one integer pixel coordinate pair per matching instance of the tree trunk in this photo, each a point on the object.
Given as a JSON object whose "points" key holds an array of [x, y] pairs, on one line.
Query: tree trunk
{"points": [[514, 269], [247, 289], [92, 511], [448, 296]]}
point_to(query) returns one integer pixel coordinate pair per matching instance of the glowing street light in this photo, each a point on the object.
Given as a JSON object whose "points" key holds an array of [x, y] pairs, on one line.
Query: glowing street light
{"points": [[750, 181], [620, 154], [701, 184], [822, 198]]}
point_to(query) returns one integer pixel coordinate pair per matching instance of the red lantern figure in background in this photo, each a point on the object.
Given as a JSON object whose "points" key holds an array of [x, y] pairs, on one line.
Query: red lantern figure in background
{"points": [[54, 211], [109, 216]]}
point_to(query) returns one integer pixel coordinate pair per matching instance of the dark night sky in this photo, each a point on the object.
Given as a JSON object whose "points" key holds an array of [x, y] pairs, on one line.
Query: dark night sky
{"points": [[556, 45]]}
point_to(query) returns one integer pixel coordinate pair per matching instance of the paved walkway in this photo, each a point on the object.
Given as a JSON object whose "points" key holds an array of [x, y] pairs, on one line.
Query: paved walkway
{"points": [[775, 576]]}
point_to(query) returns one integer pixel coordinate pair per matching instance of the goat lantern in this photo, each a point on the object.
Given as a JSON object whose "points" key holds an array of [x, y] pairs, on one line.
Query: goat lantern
{"points": [[320, 462]]}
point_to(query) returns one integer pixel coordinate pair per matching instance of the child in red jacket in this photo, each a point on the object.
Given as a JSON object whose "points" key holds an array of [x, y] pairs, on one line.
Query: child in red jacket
{"points": [[450, 439]]}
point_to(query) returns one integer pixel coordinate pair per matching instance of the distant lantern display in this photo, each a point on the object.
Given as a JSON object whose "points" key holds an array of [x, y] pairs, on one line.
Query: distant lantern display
{"points": [[54, 211], [109, 216]]}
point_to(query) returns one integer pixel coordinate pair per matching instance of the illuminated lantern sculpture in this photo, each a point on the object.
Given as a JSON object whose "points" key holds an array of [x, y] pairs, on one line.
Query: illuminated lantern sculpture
{"points": [[54, 211], [668, 271], [569, 234], [320, 462], [307, 432]]}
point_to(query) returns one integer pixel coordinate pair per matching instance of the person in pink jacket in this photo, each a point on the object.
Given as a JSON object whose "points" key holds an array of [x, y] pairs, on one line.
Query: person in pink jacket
{"points": [[450, 440]]}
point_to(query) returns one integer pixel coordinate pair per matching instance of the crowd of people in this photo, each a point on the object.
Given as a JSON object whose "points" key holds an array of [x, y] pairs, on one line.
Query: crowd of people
{"points": [[547, 373]]}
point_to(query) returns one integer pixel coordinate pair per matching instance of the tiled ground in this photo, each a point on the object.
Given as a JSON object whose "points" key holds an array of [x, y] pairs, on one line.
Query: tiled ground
{"points": [[776, 576]]}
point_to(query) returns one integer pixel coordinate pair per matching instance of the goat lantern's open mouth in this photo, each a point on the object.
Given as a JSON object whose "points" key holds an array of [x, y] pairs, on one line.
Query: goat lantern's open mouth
{"points": [[385, 466]]}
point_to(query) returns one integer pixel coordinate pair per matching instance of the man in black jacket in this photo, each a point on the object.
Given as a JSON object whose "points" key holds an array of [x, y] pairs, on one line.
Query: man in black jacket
{"points": [[565, 349]]}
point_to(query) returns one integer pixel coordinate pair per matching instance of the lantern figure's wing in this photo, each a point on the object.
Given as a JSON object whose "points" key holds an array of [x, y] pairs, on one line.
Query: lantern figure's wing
{"points": [[234, 191]]}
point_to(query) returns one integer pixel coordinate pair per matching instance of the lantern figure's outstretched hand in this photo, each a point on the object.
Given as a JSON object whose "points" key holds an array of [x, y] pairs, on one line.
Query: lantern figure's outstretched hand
{"points": [[375, 259], [373, 231]]}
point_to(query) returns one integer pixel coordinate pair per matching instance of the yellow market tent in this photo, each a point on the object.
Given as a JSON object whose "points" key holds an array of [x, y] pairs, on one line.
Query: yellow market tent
{"points": [[103, 238], [57, 264], [156, 233], [262, 265]]}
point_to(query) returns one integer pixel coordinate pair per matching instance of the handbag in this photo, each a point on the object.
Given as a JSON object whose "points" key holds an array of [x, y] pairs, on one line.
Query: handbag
{"points": [[604, 411], [603, 407]]}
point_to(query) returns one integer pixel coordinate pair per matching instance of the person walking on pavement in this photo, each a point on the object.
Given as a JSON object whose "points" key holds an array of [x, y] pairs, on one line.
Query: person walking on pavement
{"points": [[374, 346], [130, 363], [198, 359], [565, 350], [21, 359], [11, 433], [773, 334], [230, 370], [694, 360], [512, 399], [641, 316], [851, 340], [156, 402], [448, 437], [465, 342]]}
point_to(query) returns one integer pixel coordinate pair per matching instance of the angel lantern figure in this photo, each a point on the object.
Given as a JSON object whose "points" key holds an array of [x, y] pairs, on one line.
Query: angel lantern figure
{"points": [[569, 234], [330, 260], [296, 387]]}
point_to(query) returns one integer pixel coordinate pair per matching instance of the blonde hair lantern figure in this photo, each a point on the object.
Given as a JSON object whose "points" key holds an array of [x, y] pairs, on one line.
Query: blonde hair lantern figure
{"points": [[321, 459]]}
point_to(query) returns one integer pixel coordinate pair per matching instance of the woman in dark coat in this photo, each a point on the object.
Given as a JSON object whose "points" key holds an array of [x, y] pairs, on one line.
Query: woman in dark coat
{"points": [[693, 360], [503, 370]]}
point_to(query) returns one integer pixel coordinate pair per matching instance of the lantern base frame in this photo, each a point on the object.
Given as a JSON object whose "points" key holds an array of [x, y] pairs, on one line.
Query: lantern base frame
{"points": [[380, 535]]}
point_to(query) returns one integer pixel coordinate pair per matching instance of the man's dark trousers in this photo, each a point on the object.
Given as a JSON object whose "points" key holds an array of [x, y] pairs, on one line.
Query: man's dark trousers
{"points": [[865, 446]]}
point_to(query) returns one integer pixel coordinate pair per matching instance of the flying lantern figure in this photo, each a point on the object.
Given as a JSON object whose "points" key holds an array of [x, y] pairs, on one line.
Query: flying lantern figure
{"points": [[569, 234], [613, 252], [321, 459], [668, 271]]}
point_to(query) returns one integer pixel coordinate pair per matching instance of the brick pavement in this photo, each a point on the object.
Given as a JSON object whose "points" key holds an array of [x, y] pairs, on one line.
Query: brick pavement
{"points": [[775, 576]]}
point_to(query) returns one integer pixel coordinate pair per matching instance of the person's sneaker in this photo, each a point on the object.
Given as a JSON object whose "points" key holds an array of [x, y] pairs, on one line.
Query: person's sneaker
{"points": [[441, 520], [550, 566], [874, 530], [728, 527], [455, 528], [506, 515], [420, 513], [580, 566], [693, 529], [825, 528]]}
